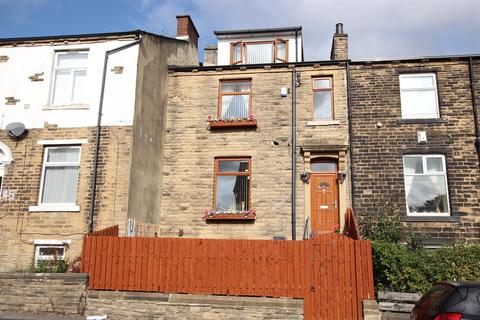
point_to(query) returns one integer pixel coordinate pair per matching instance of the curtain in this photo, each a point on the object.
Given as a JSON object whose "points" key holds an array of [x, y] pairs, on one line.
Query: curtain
{"points": [[322, 105], [259, 53], [61, 175], [235, 106]]}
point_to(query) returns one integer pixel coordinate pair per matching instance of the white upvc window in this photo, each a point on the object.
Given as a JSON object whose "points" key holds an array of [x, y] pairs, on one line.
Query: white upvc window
{"points": [[61, 167], [70, 78], [49, 255], [426, 186], [418, 95]]}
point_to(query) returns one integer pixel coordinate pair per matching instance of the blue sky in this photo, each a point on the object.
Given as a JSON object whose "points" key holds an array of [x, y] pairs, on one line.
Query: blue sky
{"points": [[376, 28]]}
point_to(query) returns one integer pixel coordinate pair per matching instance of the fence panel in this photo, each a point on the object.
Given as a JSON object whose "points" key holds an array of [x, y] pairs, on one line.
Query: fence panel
{"points": [[331, 272]]}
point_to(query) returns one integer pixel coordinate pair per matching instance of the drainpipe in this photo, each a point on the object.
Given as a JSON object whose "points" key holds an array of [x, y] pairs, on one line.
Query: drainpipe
{"points": [[93, 186], [350, 136], [294, 153], [296, 45], [474, 104]]}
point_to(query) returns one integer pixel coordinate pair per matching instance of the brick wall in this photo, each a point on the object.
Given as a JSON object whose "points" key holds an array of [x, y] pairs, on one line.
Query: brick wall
{"points": [[19, 227], [137, 305], [40, 292], [190, 149], [377, 152]]}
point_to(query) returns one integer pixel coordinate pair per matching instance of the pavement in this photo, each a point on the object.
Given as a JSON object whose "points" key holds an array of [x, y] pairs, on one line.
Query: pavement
{"points": [[39, 316]]}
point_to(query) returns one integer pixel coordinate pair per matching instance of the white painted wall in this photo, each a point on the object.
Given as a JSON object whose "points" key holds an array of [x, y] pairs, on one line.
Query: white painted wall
{"points": [[224, 46], [34, 107]]}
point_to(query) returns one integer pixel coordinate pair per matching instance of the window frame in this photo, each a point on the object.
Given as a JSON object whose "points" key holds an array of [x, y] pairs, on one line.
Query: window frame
{"points": [[46, 164], [221, 94], [57, 53], [330, 89], [434, 88], [49, 257], [245, 44], [217, 173], [425, 173]]}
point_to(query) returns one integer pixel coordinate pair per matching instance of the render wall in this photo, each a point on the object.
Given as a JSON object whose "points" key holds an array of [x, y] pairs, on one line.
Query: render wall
{"points": [[378, 152], [155, 55], [190, 149], [27, 74], [19, 227]]}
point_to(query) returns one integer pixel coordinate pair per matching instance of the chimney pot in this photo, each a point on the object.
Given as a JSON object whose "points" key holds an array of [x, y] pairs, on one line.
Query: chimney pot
{"points": [[339, 28]]}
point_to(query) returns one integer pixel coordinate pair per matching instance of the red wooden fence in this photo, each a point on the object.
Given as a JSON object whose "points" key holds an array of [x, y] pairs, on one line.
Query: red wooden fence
{"points": [[332, 273], [110, 231], [351, 226]]}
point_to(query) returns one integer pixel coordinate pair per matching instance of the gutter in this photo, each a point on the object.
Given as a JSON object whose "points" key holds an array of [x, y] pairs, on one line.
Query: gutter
{"points": [[474, 105], [350, 136], [294, 154], [93, 186]]}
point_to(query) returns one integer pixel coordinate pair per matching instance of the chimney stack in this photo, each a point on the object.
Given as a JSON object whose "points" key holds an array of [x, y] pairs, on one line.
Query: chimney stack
{"points": [[339, 44], [186, 29], [210, 53]]}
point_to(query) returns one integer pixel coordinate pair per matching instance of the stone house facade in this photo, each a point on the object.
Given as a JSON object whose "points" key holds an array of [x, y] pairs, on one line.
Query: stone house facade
{"points": [[70, 115], [415, 143], [228, 174]]}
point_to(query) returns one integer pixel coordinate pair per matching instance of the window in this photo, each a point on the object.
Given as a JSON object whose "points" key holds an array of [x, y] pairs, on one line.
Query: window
{"points": [[322, 99], [232, 184], [418, 95], [48, 255], [259, 52], [61, 166], [5, 159], [426, 185], [70, 78], [235, 99]]}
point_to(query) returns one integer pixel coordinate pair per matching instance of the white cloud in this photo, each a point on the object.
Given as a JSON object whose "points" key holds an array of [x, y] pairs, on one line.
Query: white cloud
{"points": [[376, 28]]}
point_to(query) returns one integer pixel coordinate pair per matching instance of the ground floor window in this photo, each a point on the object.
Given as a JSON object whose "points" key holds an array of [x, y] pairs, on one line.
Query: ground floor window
{"points": [[426, 188], [232, 184], [48, 255]]}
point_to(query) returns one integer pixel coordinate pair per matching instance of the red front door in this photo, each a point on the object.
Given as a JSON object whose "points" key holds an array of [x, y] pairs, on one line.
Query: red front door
{"points": [[324, 201]]}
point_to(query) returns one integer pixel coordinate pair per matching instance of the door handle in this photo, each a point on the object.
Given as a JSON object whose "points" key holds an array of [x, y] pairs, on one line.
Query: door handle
{"points": [[335, 203]]}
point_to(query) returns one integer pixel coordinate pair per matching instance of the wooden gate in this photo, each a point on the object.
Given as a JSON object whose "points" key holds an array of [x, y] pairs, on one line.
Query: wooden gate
{"points": [[332, 273]]}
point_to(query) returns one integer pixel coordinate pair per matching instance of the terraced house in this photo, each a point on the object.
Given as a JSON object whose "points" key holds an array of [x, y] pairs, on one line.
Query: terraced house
{"points": [[256, 140], [74, 134], [416, 143]]}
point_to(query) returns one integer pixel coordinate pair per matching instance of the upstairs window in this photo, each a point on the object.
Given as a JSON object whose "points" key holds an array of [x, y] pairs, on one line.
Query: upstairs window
{"points": [[418, 94], [235, 99], [70, 78], [232, 184], [61, 167], [426, 185], [322, 99], [259, 52]]}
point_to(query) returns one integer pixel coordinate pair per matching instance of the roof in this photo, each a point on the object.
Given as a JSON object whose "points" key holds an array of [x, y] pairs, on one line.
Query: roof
{"points": [[268, 30], [106, 35]]}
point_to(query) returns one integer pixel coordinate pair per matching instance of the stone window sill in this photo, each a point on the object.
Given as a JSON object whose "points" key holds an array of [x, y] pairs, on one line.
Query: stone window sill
{"points": [[422, 121], [77, 106], [54, 208], [323, 123], [431, 219]]}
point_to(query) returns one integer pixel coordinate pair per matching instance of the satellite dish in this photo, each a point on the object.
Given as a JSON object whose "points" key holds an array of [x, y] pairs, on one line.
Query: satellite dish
{"points": [[16, 130]]}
